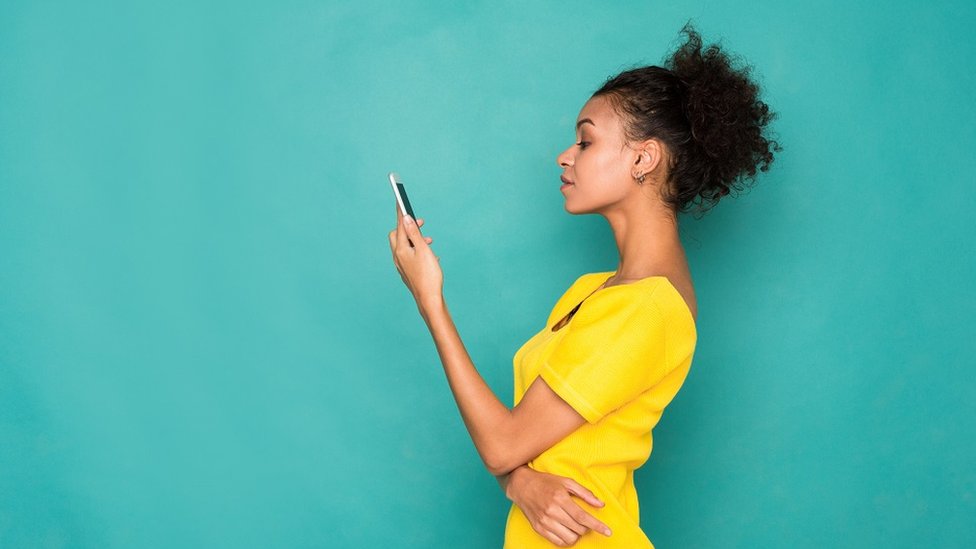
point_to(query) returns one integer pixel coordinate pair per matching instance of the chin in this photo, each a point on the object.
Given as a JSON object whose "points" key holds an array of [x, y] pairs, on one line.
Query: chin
{"points": [[574, 211]]}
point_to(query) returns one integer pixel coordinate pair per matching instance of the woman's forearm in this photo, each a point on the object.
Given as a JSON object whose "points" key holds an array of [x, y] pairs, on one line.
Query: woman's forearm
{"points": [[488, 421]]}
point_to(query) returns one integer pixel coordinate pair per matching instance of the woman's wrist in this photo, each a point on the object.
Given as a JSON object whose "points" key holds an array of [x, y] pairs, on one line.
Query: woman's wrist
{"points": [[431, 304], [514, 477]]}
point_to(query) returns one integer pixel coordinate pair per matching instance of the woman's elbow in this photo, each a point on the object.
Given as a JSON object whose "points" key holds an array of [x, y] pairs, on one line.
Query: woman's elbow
{"points": [[502, 452], [500, 462], [500, 467]]}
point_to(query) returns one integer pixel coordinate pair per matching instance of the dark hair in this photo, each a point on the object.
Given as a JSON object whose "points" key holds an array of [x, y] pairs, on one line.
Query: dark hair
{"points": [[706, 111]]}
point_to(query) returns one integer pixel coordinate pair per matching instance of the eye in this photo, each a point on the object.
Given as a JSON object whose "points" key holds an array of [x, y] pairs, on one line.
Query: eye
{"points": [[583, 144]]}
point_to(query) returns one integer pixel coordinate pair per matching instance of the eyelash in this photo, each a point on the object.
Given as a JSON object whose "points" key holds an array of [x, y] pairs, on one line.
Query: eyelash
{"points": [[582, 144]]}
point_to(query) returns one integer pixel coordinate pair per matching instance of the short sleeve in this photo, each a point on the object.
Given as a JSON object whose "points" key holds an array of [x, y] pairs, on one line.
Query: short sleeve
{"points": [[614, 350]]}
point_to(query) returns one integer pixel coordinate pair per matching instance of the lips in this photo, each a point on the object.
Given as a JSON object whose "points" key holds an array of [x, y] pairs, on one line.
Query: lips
{"points": [[566, 181]]}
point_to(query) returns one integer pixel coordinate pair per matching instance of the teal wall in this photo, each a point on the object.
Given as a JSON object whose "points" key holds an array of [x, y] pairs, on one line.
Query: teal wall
{"points": [[204, 342]]}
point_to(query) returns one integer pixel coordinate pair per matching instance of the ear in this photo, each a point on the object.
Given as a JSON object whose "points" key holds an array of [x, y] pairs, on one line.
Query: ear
{"points": [[649, 155]]}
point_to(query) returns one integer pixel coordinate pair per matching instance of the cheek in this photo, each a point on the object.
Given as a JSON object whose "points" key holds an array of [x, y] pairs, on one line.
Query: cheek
{"points": [[606, 170], [594, 160]]}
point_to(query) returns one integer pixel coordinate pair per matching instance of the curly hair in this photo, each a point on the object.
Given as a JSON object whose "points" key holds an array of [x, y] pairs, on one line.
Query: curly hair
{"points": [[706, 111]]}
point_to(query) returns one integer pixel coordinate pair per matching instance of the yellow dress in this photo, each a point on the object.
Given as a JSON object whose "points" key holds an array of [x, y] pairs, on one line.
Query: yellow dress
{"points": [[618, 362]]}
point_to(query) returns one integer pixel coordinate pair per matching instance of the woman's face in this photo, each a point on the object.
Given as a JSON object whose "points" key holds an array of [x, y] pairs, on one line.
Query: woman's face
{"points": [[598, 166]]}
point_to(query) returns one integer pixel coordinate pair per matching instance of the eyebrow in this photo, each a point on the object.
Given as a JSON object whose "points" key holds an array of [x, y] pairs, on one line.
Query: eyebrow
{"points": [[583, 121]]}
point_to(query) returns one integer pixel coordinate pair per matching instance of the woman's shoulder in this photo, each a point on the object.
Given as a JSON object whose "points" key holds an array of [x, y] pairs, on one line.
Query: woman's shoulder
{"points": [[652, 296]]}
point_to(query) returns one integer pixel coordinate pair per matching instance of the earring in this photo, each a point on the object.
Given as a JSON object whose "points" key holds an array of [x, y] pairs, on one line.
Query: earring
{"points": [[640, 179]]}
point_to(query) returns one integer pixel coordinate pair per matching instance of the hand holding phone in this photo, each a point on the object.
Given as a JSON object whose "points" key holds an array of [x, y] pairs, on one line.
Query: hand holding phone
{"points": [[418, 266]]}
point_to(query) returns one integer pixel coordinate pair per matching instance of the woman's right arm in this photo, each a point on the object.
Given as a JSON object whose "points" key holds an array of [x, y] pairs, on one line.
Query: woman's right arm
{"points": [[545, 500]]}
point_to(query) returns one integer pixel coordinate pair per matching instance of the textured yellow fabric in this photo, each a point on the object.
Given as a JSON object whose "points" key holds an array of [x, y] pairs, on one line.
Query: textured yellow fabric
{"points": [[619, 362]]}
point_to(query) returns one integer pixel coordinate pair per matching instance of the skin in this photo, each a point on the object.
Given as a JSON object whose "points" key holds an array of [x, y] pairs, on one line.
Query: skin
{"points": [[603, 167]]}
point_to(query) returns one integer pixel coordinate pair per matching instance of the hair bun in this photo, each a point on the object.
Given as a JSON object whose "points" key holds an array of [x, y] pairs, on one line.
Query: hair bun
{"points": [[724, 112]]}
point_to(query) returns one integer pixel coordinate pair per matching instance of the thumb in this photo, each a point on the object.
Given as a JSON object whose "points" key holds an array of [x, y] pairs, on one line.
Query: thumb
{"points": [[413, 230]]}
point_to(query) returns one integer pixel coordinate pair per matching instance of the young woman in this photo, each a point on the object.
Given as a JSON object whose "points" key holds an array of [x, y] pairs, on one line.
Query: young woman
{"points": [[591, 385]]}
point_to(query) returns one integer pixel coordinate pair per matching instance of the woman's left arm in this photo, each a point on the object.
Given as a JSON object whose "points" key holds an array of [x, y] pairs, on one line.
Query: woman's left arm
{"points": [[505, 438]]}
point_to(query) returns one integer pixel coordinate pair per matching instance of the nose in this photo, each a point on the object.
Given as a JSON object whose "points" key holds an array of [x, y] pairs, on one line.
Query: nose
{"points": [[565, 158]]}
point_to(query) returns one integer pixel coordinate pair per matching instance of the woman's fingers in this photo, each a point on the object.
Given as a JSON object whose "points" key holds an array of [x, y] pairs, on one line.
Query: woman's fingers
{"points": [[412, 231], [556, 540], [401, 230], [568, 520], [399, 216], [404, 230], [578, 489], [401, 235], [578, 514], [557, 528], [393, 239], [587, 520], [420, 223]]}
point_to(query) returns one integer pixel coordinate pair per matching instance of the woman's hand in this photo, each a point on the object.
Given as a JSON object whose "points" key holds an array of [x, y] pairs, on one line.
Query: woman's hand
{"points": [[419, 268], [546, 501]]}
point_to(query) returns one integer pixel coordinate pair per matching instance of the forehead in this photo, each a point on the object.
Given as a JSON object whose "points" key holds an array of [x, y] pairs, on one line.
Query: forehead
{"points": [[599, 110]]}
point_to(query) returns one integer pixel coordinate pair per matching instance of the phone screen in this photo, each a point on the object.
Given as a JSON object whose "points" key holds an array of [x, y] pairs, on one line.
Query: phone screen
{"points": [[406, 201], [401, 193]]}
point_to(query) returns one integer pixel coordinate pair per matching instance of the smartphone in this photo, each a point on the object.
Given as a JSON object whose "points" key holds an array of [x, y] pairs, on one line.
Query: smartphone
{"points": [[401, 195]]}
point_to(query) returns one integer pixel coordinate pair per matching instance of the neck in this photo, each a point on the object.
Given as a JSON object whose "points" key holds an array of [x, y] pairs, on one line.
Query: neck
{"points": [[647, 239]]}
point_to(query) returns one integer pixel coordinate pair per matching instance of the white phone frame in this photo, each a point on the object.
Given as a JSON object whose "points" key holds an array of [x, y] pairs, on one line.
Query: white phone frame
{"points": [[394, 179]]}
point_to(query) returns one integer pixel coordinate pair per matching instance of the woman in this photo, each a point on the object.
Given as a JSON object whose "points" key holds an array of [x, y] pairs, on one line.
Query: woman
{"points": [[591, 385]]}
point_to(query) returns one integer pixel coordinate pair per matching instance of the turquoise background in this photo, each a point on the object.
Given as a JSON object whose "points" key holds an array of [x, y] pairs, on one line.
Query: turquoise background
{"points": [[204, 342]]}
